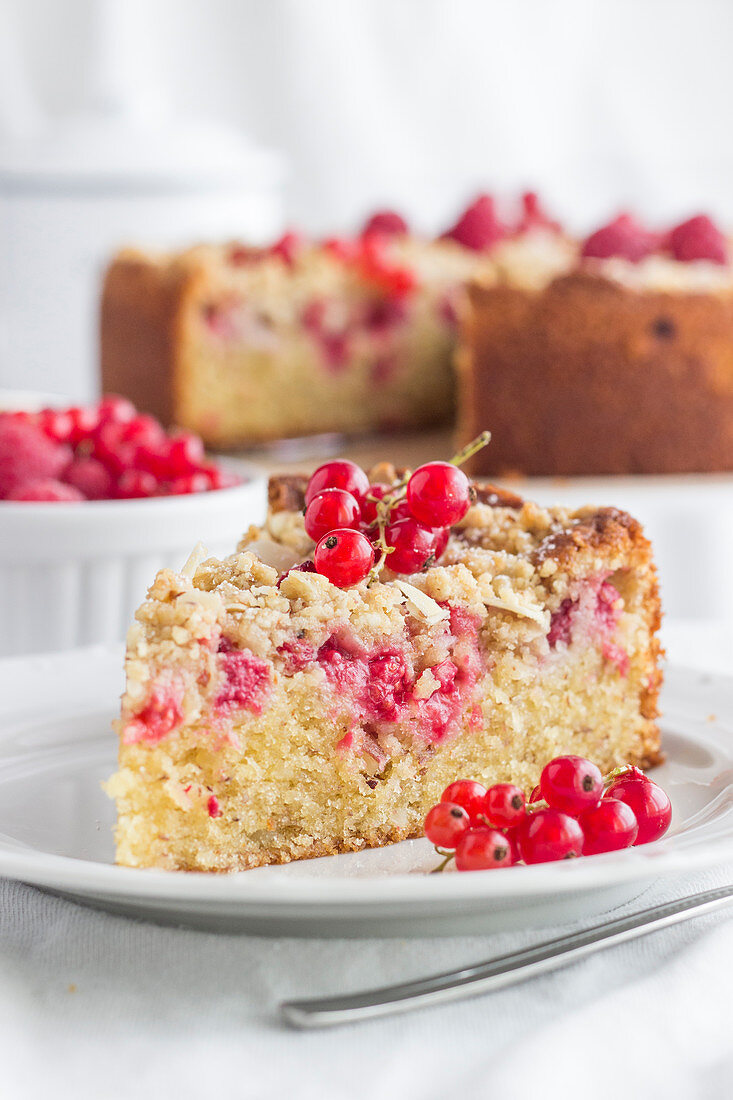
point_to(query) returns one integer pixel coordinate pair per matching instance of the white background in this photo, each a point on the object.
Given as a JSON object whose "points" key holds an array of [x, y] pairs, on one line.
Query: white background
{"points": [[598, 103]]}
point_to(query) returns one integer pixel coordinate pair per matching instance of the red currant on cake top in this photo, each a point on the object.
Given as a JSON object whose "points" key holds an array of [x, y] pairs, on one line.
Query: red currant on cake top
{"points": [[571, 784], [607, 827], [445, 824], [374, 494], [483, 850], [468, 794], [650, 804], [549, 835], [698, 239], [438, 494], [344, 556], [478, 228], [623, 237], [414, 546], [504, 806], [328, 510], [339, 474], [387, 222]]}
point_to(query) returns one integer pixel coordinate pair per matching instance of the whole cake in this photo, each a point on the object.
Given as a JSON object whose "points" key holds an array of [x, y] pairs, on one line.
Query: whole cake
{"points": [[623, 340], [244, 345], [305, 696]]}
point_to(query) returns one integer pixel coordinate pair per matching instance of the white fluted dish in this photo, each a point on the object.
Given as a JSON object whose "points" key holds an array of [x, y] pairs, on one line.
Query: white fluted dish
{"points": [[72, 574]]}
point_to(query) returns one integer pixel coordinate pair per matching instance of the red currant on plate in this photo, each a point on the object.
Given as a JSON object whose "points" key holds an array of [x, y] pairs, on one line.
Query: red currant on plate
{"points": [[548, 835], [608, 826], [650, 804], [483, 850], [571, 784], [504, 806], [328, 510], [471, 796], [344, 556], [339, 474], [438, 494], [445, 824], [415, 547]]}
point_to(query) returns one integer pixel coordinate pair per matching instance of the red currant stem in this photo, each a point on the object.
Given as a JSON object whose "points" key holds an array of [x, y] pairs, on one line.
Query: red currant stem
{"points": [[540, 804], [616, 773], [471, 449], [447, 857], [384, 508]]}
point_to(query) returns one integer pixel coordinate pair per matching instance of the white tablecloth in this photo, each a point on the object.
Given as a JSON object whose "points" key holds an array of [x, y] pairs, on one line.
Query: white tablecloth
{"points": [[98, 1006]]}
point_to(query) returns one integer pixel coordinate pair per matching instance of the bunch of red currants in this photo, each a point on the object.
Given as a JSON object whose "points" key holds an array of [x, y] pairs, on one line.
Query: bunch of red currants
{"points": [[358, 526], [573, 811], [105, 451]]}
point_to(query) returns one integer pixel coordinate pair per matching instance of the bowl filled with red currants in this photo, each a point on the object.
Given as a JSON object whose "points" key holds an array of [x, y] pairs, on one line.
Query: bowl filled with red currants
{"points": [[94, 499]]}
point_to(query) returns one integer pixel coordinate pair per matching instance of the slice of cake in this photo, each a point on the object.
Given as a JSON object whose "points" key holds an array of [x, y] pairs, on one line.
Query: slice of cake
{"points": [[626, 338], [270, 715], [244, 345]]}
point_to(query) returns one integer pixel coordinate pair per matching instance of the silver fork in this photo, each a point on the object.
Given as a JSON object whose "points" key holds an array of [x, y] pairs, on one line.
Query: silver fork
{"points": [[500, 972]]}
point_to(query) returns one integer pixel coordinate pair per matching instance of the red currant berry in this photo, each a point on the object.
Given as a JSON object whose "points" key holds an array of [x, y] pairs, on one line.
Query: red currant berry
{"points": [[197, 482], [387, 222], [109, 448], [548, 835], [115, 408], [344, 556], [185, 453], [288, 247], [340, 474], [571, 784], [143, 430], [651, 805], [56, 424], [471, 796], [608, 826], [442, 534], [85, 420], [536, 794], [698, 239], [90, 477], [483, 850], [439, 494], [369, 507], [135, 484], [218, 477], [504, 806], [328, 510], [478, 227], [622, 237], [415, 546], [445, 824], [45, 490]]}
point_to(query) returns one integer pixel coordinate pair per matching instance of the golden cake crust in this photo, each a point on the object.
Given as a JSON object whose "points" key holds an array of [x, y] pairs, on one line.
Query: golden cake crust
{"points": [[590, 376]]}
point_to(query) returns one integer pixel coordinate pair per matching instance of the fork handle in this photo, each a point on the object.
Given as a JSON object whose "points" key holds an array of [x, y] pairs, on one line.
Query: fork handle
{"points": [[497, 973]]}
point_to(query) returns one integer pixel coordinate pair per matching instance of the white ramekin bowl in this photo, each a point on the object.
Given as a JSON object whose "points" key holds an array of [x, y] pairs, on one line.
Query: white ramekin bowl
{"points": [[74, 574]]}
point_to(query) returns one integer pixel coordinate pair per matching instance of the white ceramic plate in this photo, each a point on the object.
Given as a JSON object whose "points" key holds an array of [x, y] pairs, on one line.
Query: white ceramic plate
{"points": [[55, 827]]}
